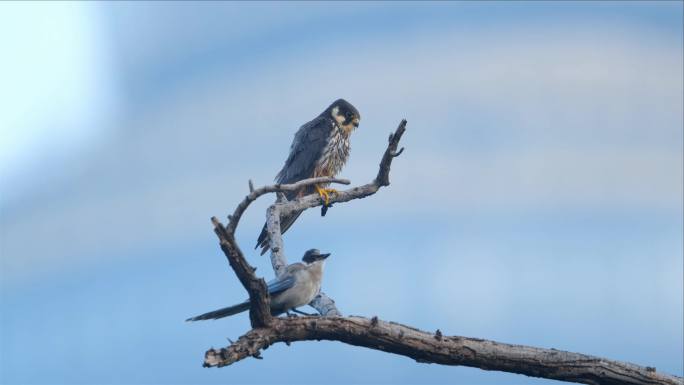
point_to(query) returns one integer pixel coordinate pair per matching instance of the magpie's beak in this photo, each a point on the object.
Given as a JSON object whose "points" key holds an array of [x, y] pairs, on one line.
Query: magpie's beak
{"points": [[323, 256]]}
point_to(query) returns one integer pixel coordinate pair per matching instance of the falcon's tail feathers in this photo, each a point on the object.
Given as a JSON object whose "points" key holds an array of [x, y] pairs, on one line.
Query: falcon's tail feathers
{"points": [[263, 238], [285, 224]]}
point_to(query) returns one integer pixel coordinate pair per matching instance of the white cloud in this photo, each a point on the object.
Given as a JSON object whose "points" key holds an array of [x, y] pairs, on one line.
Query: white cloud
{"points": [[57, 93]]}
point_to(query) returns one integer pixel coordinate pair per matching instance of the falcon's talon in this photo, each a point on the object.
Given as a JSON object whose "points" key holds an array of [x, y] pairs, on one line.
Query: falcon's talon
{"points": [[325, 194], [321, 192]]}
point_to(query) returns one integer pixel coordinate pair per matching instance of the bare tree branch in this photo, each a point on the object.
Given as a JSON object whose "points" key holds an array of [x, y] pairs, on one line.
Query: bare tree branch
{"points": [[427, 347], [260, 311], [325, 305], [390, 337], [383, 175], [275, 239], [254, 194]]}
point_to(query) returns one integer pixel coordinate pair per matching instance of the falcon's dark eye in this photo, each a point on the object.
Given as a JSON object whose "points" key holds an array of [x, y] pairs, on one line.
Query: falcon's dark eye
{"points": [[348, 115]]}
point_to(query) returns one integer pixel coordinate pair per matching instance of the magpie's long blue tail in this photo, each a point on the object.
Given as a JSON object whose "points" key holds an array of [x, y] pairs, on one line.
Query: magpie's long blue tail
{"points": [[220, 313]]}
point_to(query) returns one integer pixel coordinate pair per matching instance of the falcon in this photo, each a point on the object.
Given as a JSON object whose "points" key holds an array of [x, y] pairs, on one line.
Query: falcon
{"points": [[320, 148]]}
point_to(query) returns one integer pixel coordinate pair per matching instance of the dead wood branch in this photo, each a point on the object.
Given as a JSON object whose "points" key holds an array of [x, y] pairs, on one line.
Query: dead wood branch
{"points": [[389, 337], [427, 347], [259, 312]]}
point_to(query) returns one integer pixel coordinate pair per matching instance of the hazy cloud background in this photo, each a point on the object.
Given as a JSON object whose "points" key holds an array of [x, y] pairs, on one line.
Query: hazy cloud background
{"points": [[539, 199]]}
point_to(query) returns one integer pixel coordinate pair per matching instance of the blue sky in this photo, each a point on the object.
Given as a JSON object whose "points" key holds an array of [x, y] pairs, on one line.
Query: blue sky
{"points": [[539, 199]]}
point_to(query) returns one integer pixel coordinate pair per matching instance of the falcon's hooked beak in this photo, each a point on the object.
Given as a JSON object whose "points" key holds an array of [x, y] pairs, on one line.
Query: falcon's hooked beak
{"points": [[355, 122]]}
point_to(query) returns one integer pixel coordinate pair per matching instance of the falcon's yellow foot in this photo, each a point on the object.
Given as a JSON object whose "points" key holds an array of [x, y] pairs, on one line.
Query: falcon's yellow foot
{"points": [[325, 194]]}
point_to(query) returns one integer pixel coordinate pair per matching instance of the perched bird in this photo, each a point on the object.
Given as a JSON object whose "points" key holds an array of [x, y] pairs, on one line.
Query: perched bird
{"points": [[320, 148], [297, 286]]}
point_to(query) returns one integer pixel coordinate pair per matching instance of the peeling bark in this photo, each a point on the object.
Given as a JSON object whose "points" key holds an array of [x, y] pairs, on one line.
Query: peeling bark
{"points": [[425, 347]]}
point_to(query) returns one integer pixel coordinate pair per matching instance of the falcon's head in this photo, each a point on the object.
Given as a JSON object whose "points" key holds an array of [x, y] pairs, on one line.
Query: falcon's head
{"points": [[346, 115]]}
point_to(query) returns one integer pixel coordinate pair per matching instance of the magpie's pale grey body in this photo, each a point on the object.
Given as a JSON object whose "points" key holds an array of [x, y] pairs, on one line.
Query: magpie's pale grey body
{"points": [[320, 148], [296, 287]]}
